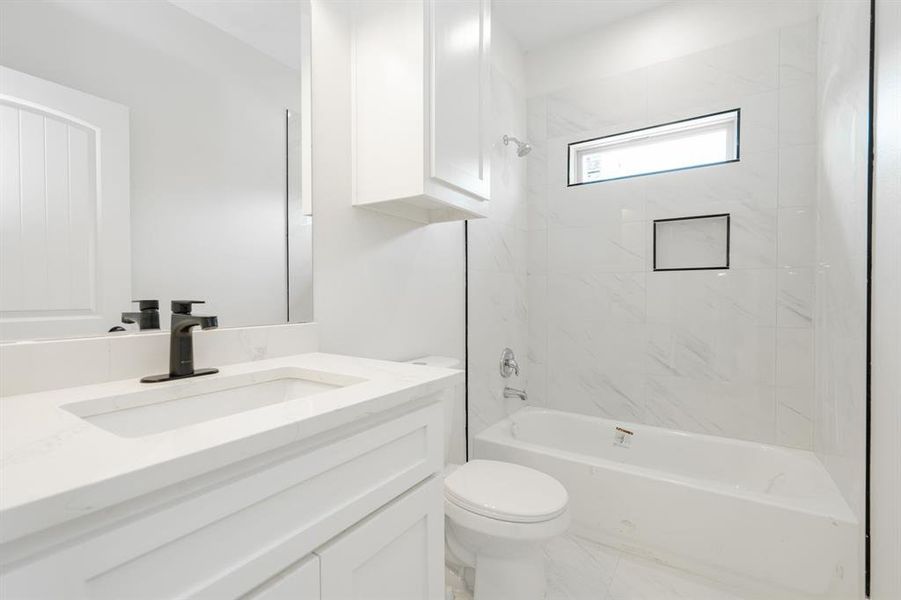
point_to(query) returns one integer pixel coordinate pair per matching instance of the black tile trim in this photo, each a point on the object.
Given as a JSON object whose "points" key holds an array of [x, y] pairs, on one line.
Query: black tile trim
{"points": [[871, 151], [287, 216], [603, 137], [465, 341], [692, 218]]}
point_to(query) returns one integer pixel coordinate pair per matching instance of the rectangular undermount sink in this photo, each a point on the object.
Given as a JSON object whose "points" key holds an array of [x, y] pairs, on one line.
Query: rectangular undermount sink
{"points": [[180, 403]]}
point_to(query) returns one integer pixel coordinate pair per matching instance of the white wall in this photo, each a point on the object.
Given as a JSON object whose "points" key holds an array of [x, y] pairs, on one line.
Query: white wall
{"points": [[207, 142], [885, 496], [497, 248], [385, 287], [720, 352], [841, 240]]}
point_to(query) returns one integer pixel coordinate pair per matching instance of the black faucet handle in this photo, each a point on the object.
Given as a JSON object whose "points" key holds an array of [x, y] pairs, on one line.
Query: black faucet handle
{"points": [[183, 307], [148, 304]]}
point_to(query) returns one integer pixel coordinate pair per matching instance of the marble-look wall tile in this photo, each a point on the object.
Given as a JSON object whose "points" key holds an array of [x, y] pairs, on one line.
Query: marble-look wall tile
{"points": [[610, 247], [612, 297], [620, 201], [797, 245], [500, 248], [798, 54], [724, 74], [750, 183], [797, 114], [738, 297], [841, 236], [795, 357], [536, 254], [597, 104], [759, 122], [504, 247], [792, 428], [736, 410], [795, 300], [537, 294], [536, 118], [692, 350], [798, 176]]}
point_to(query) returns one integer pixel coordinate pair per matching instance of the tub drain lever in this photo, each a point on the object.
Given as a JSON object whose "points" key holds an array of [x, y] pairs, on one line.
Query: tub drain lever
{"points": [[622, 437]]}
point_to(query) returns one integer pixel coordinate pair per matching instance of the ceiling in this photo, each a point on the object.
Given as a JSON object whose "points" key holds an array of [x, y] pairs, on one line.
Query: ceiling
{"points": [[270, 26], [537, 23]]}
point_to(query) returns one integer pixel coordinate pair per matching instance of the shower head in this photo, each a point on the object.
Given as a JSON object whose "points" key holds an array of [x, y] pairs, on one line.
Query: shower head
{"points": [[522, 148]]}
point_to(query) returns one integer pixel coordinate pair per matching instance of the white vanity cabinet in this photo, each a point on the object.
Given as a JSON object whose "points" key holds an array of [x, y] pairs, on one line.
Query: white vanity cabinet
{"points": [[420, 104], [396, 554], [358, 506], [300, 581]]}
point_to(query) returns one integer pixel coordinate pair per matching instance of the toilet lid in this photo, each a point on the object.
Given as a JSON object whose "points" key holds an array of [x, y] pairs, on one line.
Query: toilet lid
{"points": [[505, 491]]}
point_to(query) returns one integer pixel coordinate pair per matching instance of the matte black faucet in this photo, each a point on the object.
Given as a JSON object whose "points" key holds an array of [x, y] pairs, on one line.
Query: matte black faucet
{"points": [[181, 342], [147, 318]]}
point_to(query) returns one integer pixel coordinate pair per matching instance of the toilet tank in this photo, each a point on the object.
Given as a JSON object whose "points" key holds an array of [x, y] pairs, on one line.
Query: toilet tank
{"points": [[454, 410]]}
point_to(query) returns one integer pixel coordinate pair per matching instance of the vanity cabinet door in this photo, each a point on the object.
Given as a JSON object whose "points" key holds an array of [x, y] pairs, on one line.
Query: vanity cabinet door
{"points": [[298, 582], [395, 554]]}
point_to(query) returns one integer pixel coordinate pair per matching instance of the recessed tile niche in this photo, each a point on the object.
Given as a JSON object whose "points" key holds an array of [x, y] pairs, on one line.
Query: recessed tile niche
{"points": [[691, 243]]}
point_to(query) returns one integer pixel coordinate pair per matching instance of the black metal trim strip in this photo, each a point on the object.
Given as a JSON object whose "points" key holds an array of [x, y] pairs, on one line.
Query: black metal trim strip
{"points": [[713, 164], [466, 340], [871, 158], [691, 218], [287, 215]]}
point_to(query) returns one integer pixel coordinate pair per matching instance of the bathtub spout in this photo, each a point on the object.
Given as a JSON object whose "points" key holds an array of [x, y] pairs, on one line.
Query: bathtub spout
{"points": [[510, 392]]}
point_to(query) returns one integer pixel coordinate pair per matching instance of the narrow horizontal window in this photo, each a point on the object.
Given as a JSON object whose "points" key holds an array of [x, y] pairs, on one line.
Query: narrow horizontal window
{"points": [[702, 141]]}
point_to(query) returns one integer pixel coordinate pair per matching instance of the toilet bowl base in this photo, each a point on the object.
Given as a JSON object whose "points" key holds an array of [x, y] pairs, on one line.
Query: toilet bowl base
{"points": [[497, 568], [519, 577]]}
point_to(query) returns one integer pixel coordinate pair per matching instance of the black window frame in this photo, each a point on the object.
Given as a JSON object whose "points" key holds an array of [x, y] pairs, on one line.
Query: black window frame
{"points": [[737, 158]]}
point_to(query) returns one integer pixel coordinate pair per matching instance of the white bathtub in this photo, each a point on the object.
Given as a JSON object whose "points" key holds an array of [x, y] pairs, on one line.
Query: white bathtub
{"points": [[763, 517]]}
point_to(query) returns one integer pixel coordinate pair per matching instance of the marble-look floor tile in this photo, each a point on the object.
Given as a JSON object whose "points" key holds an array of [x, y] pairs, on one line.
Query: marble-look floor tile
{"points": [[636, 579], [579, 569]]}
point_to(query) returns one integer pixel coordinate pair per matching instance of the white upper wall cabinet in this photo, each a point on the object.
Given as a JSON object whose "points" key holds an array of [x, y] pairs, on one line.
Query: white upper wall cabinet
{"points": [[419, 108]]}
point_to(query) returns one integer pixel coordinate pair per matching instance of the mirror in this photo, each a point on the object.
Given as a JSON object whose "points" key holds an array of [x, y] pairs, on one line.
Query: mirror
{"points": [[153, 149]]}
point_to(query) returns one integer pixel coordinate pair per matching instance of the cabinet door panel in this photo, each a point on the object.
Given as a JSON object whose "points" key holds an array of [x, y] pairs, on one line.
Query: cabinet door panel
{"points": [[298, 582], [395, 554], [460, 34]]}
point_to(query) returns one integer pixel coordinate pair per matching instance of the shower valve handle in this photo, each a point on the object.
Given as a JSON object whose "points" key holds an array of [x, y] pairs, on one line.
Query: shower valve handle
{"points": [[508, 366]]}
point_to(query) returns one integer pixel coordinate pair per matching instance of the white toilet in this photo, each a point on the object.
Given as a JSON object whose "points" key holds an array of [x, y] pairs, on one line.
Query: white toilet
{"points": [[498, 516]]}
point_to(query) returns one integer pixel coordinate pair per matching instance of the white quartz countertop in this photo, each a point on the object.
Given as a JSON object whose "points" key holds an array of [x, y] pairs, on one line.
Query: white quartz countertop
{"points": [[55, 466]]}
